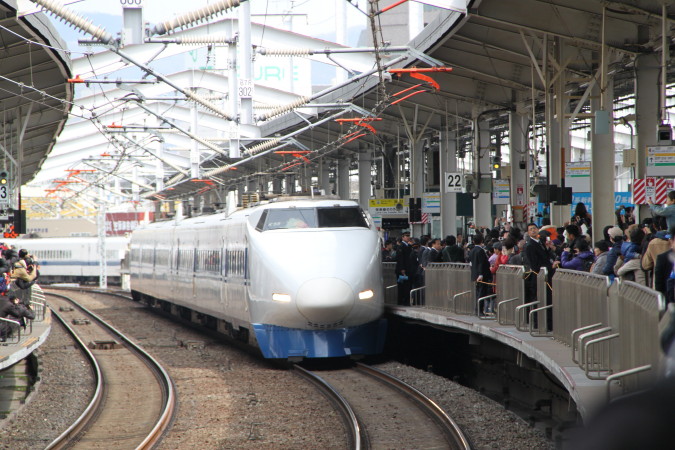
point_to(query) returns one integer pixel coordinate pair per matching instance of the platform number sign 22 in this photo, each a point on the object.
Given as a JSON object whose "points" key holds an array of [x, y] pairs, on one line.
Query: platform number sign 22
{"points": [[453, 182]]}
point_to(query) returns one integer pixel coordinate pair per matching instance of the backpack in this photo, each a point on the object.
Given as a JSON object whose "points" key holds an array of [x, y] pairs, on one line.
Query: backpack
{"points": [[588, 263]]}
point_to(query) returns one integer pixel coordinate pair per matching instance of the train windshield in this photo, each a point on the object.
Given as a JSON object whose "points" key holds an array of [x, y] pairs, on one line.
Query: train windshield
{"points": [[332, 217]]}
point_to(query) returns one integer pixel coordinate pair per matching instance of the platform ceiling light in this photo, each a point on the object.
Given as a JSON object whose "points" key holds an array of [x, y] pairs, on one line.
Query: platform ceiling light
{"points": [[366, 295], [283, 298]]}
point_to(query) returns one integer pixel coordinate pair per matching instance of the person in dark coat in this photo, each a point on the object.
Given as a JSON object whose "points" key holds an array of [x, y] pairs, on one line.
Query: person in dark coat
{"points": [[480, 271], [404, 273], [8, 310], [452, 252]]}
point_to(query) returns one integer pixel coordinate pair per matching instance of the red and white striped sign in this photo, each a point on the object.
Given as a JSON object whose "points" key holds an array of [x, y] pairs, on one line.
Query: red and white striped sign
{"points": [[424, 219], [654, 189]]}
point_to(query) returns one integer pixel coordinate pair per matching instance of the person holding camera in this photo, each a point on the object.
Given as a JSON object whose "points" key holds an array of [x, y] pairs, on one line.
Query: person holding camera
{"points": [[25, 272]]}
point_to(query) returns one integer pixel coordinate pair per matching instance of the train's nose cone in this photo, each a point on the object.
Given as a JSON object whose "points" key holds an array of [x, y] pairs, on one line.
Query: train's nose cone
{"points": [[325, 300]]}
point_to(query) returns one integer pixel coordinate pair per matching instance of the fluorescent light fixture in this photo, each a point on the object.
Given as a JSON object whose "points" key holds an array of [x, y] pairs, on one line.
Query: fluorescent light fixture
{"points": [[367, 294], [284, 298]]}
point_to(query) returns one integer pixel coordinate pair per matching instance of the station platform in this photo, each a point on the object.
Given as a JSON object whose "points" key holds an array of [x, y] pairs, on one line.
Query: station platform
{"points": [[31, 338], [555, 356]]}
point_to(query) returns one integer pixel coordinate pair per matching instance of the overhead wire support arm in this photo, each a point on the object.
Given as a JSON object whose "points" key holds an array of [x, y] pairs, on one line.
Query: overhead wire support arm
{"points": [[304, 100], [181, 129], [326, 51]]}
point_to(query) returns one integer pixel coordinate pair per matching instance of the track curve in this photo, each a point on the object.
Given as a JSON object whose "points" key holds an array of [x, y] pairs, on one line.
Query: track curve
{"points": [[134, 400]]}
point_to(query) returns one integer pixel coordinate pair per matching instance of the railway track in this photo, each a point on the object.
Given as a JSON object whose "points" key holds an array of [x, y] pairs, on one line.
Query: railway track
{"points": [[134, 399], [381, 411]]}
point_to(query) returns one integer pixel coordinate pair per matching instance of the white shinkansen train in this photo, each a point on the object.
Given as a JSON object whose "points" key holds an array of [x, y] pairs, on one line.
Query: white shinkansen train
{"points": [[74, 259], [296, 278]]}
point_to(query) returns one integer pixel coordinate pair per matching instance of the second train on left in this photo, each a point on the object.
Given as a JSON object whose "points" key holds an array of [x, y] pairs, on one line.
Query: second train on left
{"points": [[298, 279]]}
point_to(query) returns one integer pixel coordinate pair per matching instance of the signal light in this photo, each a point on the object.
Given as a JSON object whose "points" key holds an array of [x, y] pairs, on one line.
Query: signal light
{"points": [[3, 177], [496, 162]]}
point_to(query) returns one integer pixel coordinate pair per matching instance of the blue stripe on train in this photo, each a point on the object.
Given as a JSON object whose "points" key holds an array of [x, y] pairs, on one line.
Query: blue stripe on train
{"points": [[284, 343], [77, 263]]}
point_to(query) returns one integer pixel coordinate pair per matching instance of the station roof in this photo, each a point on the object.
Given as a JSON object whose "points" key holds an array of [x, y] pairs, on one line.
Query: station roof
{"points": [[34, 95], [495, 48]]}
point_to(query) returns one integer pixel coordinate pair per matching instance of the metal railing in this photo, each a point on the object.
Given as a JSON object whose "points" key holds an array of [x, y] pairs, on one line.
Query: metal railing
{"points": [[540, 312], [449, 287], [579, 300], [510, 291]]}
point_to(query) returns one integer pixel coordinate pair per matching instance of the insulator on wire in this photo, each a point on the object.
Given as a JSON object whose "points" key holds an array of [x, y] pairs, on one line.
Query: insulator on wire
{"points": [[76, 20], [263, 146], [285, 51], [283, 109], [211, 39], [194, 16]]}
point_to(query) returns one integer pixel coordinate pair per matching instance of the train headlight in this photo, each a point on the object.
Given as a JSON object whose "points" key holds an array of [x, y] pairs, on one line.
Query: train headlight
{"points": [[283, 298], [366, 295]]}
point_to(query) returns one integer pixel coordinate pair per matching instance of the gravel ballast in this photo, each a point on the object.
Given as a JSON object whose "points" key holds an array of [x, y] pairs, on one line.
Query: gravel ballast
{"points": [[231, 399]]}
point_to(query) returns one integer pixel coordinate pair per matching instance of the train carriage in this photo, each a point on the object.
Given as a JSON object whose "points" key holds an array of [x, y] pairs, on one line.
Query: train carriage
{"points": [[74, 259], [297, 278]]}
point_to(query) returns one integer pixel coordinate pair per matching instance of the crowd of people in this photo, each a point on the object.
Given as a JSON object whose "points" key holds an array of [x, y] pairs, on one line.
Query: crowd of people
{"points": [[640, 252], [18, 272]]}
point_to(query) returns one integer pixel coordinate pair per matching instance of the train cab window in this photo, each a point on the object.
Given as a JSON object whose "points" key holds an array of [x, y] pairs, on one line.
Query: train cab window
{"points": [[341, 217], [330, 217], [281, 219]]}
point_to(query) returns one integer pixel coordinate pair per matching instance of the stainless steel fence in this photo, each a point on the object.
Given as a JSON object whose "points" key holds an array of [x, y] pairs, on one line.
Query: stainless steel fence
{"points": [[635, 315], [449, 287], [613, 332], [538, 312], [510, 291], [579, 301]]}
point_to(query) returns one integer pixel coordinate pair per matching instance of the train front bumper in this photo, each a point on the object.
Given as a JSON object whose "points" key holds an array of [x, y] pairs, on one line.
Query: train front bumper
{"points": [[284, 343]]}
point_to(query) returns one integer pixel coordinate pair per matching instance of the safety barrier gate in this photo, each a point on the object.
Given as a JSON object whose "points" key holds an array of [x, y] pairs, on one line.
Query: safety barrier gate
{"points": [[510, 292], [580, 303], [449, 287]]}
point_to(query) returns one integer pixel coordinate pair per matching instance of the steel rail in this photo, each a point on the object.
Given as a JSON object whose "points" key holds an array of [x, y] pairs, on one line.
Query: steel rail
{"points": [[357, 436], [90, 411], [450, 427], [165, 382]]}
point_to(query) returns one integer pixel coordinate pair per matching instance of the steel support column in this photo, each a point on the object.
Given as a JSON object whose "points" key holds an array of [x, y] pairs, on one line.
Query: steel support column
{"points": [[518, 154], [365, 166], [417, 176], [448, 163], [343, 178], [646, 110], [602, 165], [482, 206]]}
